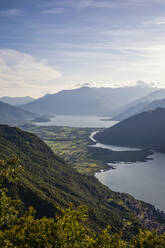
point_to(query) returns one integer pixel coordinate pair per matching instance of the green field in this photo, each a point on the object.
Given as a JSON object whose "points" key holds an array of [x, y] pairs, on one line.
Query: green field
{"points": [[72, 144]]}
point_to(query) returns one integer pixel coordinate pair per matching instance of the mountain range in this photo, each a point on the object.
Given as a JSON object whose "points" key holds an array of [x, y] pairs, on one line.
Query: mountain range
{"points": [[151, 101], [10, 114], [16, 101], [146, 130], [86, 101]]}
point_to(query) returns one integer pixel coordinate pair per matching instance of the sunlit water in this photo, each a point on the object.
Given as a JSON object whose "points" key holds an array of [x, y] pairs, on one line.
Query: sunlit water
{"points": [[110, 147], [78, 121]]}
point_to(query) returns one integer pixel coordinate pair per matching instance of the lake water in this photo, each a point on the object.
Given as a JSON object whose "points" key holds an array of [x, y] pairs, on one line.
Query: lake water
{"points": [[144, 180], [110, 147], [78, 121]]}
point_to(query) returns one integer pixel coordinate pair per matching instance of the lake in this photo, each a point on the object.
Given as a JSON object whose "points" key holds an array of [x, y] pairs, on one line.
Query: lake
{"points": [[111, 147], [78, 121], [144, 180]]}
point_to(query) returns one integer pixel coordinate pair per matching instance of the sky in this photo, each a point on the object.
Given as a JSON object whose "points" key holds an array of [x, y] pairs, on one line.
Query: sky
{"points": [[50, 45]]}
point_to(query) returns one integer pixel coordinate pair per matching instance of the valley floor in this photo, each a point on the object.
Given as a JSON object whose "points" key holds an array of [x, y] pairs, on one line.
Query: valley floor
{"points": [[73, 145]]}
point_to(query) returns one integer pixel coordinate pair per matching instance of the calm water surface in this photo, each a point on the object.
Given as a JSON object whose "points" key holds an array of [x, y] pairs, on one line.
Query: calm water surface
{"points": [[144, 180], [110, 147], [78, 121]]}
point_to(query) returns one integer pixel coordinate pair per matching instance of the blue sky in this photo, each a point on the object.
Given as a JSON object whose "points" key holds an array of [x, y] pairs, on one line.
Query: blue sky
{"points": [[49, 45]]}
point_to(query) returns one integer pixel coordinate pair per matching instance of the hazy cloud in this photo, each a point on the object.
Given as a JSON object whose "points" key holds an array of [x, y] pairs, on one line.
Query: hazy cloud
{"points": [[143, 84], [19, 69], [114, 42], [11, 12], [89, 4], [53, 11], [89, 84], [82, 4]]}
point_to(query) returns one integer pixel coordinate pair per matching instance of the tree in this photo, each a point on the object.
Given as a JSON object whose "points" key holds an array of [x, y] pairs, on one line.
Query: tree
{"points": [[68, 230]]}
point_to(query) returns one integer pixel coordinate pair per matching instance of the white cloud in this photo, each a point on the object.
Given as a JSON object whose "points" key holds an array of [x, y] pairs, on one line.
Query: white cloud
{"points": [[53, 11], [89, 4], [89, 84], [154, 22], [20, 70], [11, 12], [143, 84], [82, 4]]}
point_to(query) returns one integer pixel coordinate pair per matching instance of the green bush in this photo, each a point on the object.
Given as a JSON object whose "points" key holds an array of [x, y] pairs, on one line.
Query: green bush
{"points": [[67, 230]]}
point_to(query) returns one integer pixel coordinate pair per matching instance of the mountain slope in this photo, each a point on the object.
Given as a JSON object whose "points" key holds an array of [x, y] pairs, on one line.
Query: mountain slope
{"points": [[16, 101], [48, 182], [146, 130], [86, 101], [155, 104], [10, 113], [141, 105]]}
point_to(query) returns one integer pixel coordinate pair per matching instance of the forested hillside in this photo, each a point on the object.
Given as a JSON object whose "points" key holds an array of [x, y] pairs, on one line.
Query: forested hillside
{"points": [[69, 229], [48, 182]]}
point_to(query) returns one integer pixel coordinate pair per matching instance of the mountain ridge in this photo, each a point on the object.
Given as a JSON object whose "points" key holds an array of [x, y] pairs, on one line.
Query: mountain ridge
{"points": [[140, 105], [145, 130], [85, 100], [16, 101], [10, 114]]}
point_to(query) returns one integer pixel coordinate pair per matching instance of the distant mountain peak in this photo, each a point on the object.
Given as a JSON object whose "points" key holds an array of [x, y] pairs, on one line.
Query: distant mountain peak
{"points": [[86, 100]]}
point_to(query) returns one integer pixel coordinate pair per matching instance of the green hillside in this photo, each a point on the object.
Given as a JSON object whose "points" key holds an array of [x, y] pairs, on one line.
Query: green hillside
{"points": [[48, 182]]}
